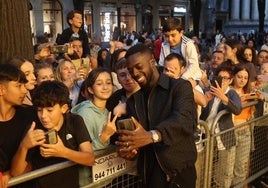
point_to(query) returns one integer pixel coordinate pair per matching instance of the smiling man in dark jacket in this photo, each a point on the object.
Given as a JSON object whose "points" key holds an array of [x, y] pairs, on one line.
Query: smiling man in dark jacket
{"points": [[165, 119]]}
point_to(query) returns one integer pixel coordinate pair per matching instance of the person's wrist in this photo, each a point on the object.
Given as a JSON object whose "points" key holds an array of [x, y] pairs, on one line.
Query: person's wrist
{"points": [[155, 136], [225, 101]]}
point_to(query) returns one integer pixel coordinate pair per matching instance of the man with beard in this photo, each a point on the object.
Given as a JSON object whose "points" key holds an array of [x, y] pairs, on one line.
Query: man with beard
{"points": [[164, 115]]}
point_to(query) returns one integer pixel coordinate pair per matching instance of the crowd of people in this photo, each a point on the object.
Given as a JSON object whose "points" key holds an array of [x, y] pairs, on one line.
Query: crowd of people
{"points": [[163, 85]]}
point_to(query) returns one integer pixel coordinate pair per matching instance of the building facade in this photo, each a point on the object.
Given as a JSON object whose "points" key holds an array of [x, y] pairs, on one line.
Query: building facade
{"points": [[232, 16], [108, 18]]}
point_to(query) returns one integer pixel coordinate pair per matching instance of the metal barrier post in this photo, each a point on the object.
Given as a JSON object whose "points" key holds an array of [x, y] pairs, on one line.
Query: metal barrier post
{"points": [[204, 125], [211, 145]]}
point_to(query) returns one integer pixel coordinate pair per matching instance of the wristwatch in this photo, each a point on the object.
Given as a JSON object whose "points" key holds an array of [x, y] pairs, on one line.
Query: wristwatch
{"points": [[155, 136]]}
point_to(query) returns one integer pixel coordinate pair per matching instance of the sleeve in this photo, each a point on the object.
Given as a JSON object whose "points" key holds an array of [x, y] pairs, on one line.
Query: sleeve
{"points": [[162, 57], [81, 133], [192, 68], [265, 94], [63, 38], [88, 122], [183, 118], [3, 161], [234, 105]]}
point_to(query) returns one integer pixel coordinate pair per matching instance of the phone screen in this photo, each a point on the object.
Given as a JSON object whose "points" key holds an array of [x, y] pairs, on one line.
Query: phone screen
{"points": [[57, 49], [126, 124], [51, 137], [218, 79]]}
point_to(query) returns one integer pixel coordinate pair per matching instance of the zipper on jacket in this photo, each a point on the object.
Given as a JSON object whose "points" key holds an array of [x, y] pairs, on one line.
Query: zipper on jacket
{"points": [[150, 127]]}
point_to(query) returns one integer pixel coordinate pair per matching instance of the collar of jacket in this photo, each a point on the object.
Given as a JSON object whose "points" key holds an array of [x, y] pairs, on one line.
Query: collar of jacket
{"points": [[163, 81]]}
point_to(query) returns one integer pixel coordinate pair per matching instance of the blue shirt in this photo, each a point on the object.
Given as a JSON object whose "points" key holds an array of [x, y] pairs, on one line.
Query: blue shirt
{"points": [[176, 49]]}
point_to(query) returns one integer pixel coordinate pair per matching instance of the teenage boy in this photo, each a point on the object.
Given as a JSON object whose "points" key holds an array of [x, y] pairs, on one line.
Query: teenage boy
{"points": [[75, 20], [14, 119], [177, 42], [51, 99], [117, 102]]}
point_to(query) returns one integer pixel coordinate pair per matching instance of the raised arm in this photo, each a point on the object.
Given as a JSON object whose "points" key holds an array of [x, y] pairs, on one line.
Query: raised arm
{"points": [[32, 138]]}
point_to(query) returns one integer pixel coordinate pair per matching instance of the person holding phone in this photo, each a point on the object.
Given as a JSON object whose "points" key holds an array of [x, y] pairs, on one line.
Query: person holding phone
{"points": [[223, 97], [164, 115], [88, 62], [51, 100], [241, 85], [73, 78]]}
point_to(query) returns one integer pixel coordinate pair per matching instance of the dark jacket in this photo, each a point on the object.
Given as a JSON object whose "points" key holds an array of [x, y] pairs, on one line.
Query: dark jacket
{"points": [[170, 110], [234, 106], [67, 35]]}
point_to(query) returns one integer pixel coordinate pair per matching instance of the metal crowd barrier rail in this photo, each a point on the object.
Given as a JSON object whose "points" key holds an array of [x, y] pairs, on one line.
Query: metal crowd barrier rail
{"points": [[38, 173], [127, 177], [202, 155], [129, 170], [253, 159]]}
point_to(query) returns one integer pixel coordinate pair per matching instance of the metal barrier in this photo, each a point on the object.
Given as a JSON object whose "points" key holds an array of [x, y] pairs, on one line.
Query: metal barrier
{"points": [[202, 162], [253, 163], [206, 165], [38, 173], [126, 177]]}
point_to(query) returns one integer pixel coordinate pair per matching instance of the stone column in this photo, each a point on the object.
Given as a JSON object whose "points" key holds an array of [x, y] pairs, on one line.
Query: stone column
{"points": [[187, 16], [254, 10], [38, 17], [96, 14], [235, 10], [155, 14], [245, 4], [138, 17], [266, 10]]}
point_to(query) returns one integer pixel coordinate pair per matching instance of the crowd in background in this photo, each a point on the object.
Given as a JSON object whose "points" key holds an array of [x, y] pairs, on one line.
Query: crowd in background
{"points": [[95, 83]]}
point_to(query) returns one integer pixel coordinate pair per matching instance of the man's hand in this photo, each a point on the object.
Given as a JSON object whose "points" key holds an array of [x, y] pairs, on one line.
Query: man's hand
{"points": [[130, 140]]}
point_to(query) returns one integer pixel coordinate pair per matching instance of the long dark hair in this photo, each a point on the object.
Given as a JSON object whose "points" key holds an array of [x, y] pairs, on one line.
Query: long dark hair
{"points": [[239, 68], [93, 75]]}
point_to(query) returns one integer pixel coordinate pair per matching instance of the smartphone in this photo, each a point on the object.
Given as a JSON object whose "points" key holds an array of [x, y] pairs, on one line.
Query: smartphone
{"points": [[263, 77], [51, 137], [251, 96], [126, 124], [58, 49], [218, 79]]}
